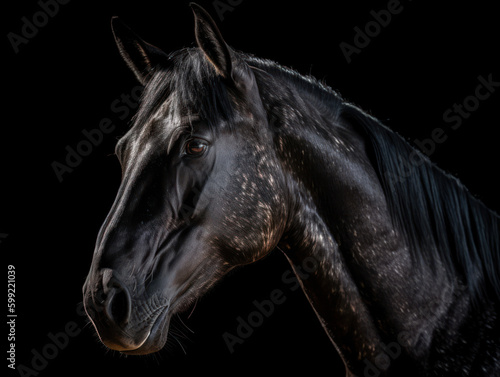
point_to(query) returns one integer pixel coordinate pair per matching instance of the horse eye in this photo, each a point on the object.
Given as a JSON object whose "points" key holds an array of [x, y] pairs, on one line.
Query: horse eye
{"points": [[195, 147]]}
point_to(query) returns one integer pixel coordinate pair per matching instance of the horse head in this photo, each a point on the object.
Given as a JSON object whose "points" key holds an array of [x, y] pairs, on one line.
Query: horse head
{"points": [[200, 192]]}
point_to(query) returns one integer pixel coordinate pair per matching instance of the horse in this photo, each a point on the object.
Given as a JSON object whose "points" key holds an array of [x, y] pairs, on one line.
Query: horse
{"points": [[231, 157]]}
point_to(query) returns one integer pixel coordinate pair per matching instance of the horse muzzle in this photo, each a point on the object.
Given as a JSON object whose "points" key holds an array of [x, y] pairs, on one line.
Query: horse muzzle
{"points": [[124, 324]]}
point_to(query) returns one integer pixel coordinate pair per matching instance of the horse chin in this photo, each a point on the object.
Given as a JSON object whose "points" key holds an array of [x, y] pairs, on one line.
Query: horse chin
{"points": [[156, 339]]}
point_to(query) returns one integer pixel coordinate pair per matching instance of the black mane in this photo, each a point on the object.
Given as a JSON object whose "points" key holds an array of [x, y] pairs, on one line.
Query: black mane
{"points": [[438, 215], [435, 210]]}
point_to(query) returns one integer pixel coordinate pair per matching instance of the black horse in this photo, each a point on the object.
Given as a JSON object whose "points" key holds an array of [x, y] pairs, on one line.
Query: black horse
{"points": [[231, 157]]}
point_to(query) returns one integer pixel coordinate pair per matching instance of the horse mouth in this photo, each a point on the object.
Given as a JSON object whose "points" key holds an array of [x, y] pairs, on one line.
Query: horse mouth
{"points": [[155, 338]]}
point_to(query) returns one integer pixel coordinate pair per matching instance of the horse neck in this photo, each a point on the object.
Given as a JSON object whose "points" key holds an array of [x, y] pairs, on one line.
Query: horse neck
{"points": [[364, 290]]}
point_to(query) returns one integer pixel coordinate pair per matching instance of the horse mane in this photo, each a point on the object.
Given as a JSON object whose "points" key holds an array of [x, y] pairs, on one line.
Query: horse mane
{"points": [[440, 218], [435, 211], [187, 81]]}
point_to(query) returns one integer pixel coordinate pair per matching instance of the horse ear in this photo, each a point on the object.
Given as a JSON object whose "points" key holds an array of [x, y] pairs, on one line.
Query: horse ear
{"points": [[209, 39], [140, 56]]}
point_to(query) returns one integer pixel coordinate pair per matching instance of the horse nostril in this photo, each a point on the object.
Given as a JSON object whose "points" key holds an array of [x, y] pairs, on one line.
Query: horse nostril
{"points": [[118, 304]]}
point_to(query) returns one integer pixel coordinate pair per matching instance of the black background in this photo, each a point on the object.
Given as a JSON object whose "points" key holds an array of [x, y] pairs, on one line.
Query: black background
{"points": [[65, 79]]}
